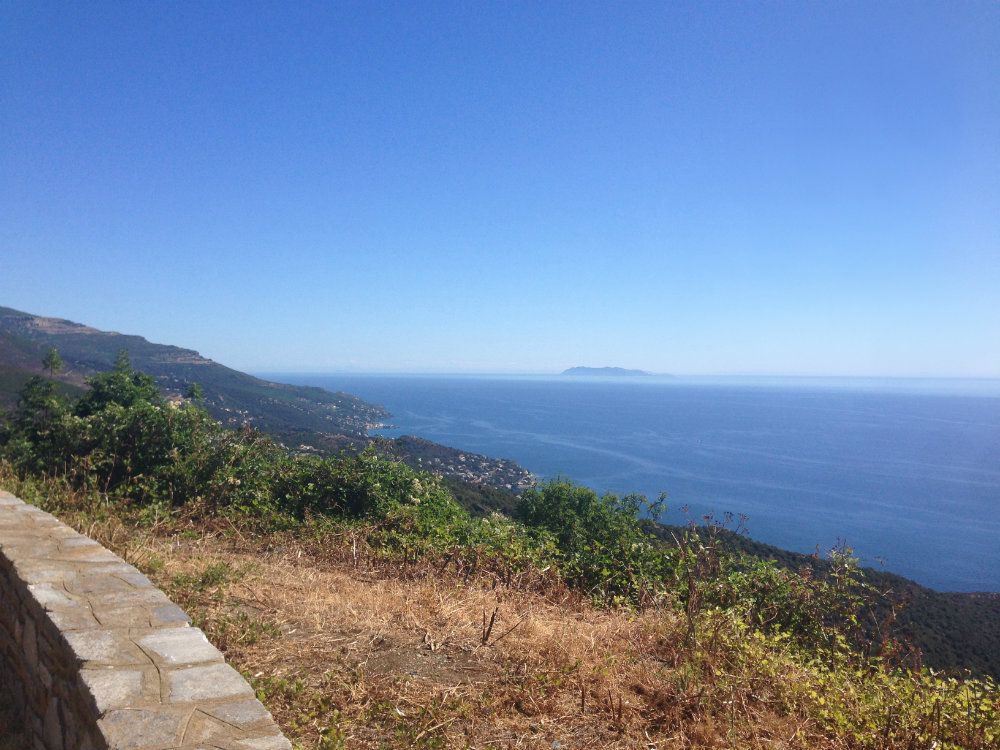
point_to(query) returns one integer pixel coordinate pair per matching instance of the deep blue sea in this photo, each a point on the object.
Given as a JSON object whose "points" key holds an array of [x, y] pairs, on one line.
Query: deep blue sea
{"points": [[906, 472]]}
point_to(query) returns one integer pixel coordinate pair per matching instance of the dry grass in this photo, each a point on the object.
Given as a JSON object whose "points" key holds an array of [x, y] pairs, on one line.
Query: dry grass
{"points": [[350, 649], [349, 652]]}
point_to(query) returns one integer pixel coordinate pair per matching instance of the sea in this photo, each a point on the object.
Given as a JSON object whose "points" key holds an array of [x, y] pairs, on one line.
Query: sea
{"points": [[905, 472]]}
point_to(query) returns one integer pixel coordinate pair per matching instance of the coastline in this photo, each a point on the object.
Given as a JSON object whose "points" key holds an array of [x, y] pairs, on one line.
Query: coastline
{"points": [[894, 473]]}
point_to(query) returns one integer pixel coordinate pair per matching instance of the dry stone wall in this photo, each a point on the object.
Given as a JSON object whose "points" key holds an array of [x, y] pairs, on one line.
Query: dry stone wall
{"points": [[97, 658]]}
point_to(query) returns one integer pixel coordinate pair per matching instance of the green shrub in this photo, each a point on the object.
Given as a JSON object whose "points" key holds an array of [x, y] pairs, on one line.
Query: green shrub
{"points": [[361, 486], [601, 543], [815, 609], [34, 435]]}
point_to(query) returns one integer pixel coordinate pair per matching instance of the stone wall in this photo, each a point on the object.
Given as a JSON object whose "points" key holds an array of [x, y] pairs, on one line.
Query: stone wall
{"points": [[99, 658]]}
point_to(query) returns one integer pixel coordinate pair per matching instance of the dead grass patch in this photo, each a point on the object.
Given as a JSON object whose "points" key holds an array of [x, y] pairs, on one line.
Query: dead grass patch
{"points": [[350, 652]]}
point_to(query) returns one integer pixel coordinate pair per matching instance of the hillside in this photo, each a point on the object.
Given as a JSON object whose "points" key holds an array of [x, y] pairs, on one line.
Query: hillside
{"points": [[231, 396], [951, 631], [304, 418], [389, 632]]}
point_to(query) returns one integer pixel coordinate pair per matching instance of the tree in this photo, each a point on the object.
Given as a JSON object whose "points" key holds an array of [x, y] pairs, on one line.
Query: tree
{"points": [[123, 386], [195, 393], [53, 362], [34, 434]]}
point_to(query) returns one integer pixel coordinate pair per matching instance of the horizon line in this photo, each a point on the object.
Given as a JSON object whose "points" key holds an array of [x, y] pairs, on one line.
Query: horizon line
{"points": [[675, 376]]}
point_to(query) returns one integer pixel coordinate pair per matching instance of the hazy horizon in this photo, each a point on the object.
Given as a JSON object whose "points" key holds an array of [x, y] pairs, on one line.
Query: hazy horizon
{"points": [[649, 376], [276, 369]]}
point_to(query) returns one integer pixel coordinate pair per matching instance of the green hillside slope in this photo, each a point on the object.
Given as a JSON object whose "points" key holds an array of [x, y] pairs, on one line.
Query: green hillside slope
{"points": [[231, 396], [952, 631], [303, 418]]}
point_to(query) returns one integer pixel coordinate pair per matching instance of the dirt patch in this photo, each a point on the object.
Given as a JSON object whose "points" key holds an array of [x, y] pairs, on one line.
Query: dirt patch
{"points": [[421, 661]]}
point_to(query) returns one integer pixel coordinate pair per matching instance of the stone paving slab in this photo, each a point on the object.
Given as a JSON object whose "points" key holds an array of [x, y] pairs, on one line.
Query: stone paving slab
{"points": [[105, 659]]}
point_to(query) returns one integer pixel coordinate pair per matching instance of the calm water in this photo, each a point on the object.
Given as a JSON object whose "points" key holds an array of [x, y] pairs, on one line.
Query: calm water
{"points": [[906, 472]]}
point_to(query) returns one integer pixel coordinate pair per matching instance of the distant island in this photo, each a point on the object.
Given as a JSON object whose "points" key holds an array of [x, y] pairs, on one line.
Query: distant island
{"points": [[616, 372]]}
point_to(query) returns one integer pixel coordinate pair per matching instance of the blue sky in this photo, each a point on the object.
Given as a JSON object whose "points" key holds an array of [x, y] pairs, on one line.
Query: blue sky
{"points": [[799, 188]]}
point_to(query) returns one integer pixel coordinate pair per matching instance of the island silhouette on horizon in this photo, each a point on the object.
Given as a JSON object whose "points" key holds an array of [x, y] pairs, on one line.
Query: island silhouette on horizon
{"points": [[604, 371]]}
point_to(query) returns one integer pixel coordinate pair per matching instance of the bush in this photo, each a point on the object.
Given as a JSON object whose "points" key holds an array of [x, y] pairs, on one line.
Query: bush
{"points": [[601, 543], [124, 439], [34, 435]]}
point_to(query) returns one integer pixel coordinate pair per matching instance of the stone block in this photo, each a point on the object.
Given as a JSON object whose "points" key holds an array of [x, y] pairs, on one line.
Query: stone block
{"points": [[53, 726], [78, 540], [123, 617], [180, 646], [29, 643], [45, 676], [89, 567], [168, 614], [134, 578], [271, 742], [105, 647], [49, 597], [96, 583], [35, 571], [74, 619], [127, 597], [206, 683], [202, 728], [27, 546], [132, 728], [243, 714], [86, 553], [113, 688]]}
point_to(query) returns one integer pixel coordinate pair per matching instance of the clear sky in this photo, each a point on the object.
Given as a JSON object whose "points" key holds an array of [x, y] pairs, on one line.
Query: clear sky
{"points": [[703, 187]]}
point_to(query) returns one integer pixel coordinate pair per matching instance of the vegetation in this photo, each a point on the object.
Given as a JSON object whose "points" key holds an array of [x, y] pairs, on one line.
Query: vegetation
{"points": [[958, 633], [371, 609], [303, 418], [52, 362], [31, 344]]}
